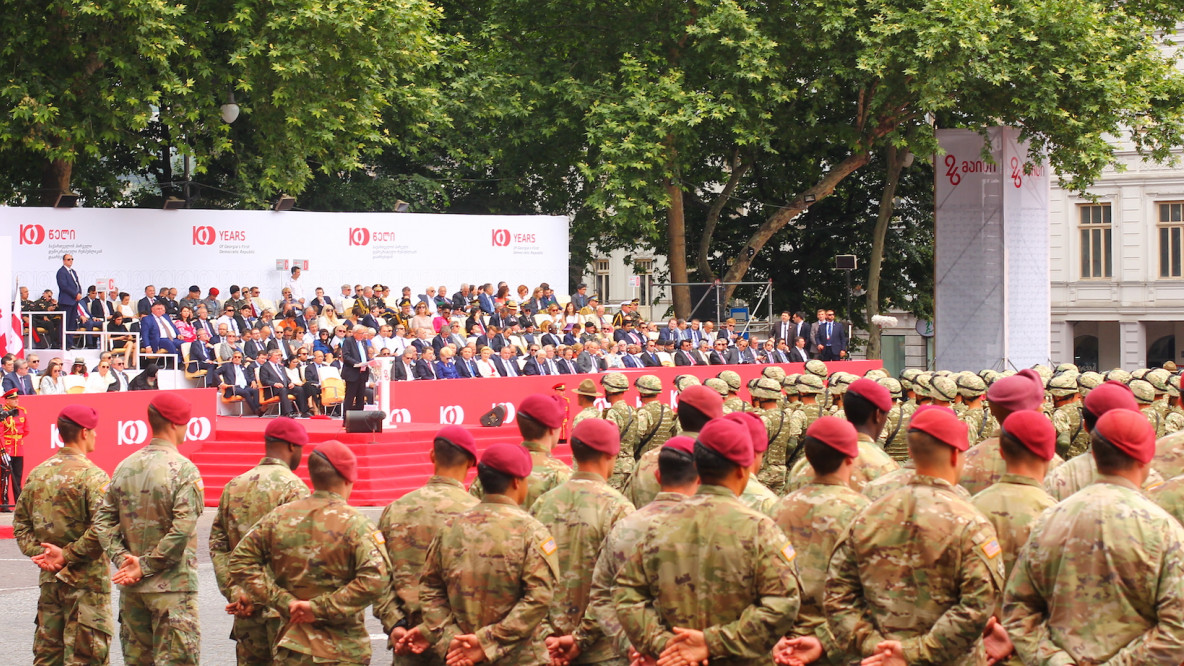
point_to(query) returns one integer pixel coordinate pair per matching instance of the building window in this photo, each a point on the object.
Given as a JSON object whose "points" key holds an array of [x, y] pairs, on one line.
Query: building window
{"points": [[1096, 260], [644, 270], [1171, 231], [602, 281]]}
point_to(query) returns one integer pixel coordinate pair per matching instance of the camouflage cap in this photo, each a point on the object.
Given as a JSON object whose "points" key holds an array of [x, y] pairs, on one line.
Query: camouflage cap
{"points": [[615, 382], [876, 373], [1159, 379], [1141, 373], [766, 389], [908, 377], [988, 375], [648, 385], [588, 387], [731, 378], [893, 386], [790, 384], [811, 384], [1143, 390], [1088, 381], [1044, 371], [1063, 384], [774, 372], [1119, 375], [921, 384], [970, 386], [718, 385], [1066, 367], [839, 382], [816, 368], [1174, 386], [682, 382], [943, 388]]}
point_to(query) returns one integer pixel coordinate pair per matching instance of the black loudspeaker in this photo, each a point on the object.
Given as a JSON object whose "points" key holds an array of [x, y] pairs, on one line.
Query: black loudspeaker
{"points": [[845, 262], [362, 421], [708, 310], [494, 417]]}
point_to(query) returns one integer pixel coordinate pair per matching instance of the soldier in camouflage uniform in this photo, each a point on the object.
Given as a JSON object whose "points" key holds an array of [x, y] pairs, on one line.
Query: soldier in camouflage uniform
{"points": [[906, 384], [776, 422], [814, 517], [921, 385], [320, 563], [1072, 438], [1174, 418], [491, 575], [625, 416], [148, 527], [1159, 380], [732, 400], [721, 387], [809, 388], [1145, 396], [410, 523], [1088, 381], [586, 395], [657, 420], [774, 372], [580, 514], [917, 575], [755, 495], [789, 386], [740, 554], [943, 391], [697, 405], [971, 390], [679, 480], [1133, 603], [247, 498], [894, 437], [1022, 391], [53, 525], [540, 419]]}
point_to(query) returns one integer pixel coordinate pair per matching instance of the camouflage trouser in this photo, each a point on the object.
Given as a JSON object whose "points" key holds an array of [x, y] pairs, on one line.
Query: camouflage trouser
{"points": [[159, 628], [286, 657], [255, 636], [73, 626], [773, 476], [622, 469], [425, 659]]}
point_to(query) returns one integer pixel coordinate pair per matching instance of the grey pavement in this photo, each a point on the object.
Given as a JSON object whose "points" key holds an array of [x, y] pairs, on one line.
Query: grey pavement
{"points": [[18, 599]]}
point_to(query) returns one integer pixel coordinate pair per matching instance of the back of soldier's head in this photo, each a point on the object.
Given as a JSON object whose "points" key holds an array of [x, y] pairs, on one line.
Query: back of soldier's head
{"points": [[493, 482], [322, 474], [713, 468], [857, 409], [677, 468], [690, 418], [1110, 458], [825, 459], [531, 430], [450, 455], [927, 450]]}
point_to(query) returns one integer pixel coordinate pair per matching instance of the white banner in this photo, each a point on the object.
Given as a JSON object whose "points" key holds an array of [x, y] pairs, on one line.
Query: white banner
{"points": [[992, 302], [130, 248]]}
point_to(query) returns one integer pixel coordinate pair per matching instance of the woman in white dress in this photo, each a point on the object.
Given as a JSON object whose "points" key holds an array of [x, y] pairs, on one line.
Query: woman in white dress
{"points": [[97, 381], [485, 364], [125, 306], [52, 382]]}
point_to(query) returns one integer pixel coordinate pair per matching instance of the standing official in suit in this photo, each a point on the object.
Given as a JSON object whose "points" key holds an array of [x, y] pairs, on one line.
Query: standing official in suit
{"points": [[832, 338], [144, 305], [353, 353], [786, 328], [69, 291]]}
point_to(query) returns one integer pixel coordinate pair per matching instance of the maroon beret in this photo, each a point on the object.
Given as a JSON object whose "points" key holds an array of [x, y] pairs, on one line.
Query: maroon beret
{"points": [[289, 430], [508, 459], [1110, 395], [943, 426], [1129, 432], [872, 392], [703, 399], [1034, 431], [458, 437], [340, 457], [1021, 391], [681, 443], [598, 434], [836, 433], [543, 408], [729, 439], [172, 407], [756, 429], [82, 415], [214, 291]]}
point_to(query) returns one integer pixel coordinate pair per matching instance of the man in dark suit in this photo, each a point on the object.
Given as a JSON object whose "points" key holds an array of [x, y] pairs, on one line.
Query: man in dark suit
{"points": [[144, 305], [719, 351], [425, 367], [631, 358], [506, 363], [102, 309], [686, 355], [466, 367], [232, 379], [832, 339], [320, 301], [118, 370], [534, 364], [741, 353], [485, 299], [158, 332], [203, 323], [649, 355], [69, 291], [273, 376], [85, 320], [784, 328], [18, 379], [627, 334], [200, 354], [566, 365], [254, 345], [441, 340], [354, 354], [493, 339], [798, 353], [404, 368]]}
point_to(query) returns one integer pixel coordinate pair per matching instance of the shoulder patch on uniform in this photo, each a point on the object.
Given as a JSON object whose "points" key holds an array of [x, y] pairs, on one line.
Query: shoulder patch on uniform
{"points": [[1154, 485], [788, 552], [378, 537], [103, 490], [991, 549], [201, 487], [548, 547]]}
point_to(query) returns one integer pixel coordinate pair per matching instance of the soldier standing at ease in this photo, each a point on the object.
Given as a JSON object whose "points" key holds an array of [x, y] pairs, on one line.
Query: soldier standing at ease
{"points": [[916, 576], [409, 525], [540, 419], [1133, 608], [696, 406], [54, 526], [767, 392], [1023, 391], [246, 499], [971, 389], [148, 527], [580, 514], [755, 495], [656, 418], [320, 563], [731, 596], [490, 575], [809, 387], [1072, 437], [586, 395], [619, 412]]}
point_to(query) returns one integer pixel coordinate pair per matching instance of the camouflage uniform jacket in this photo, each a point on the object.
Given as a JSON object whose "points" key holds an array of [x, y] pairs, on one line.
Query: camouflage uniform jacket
{"points": [[984, 466], [1156, 420], [1012, 505], [921, 566], [1072, 437], [975, 419], [1133, 608], [643, 486], [322, 550], [899, 479], [772, 472], [814, 518], [1169, 495], [408, 525], [1169, 456], [548, 472], [870, 464], [493, 573], [629, 424], [619, 545], [734, 403], [585, 413], [58, 505], [715, 565], [799, 420], [247, 498], [1173, 420], [1081, 472], [151, 511], [580, 514], [657, 425], [758, 497], [894, 437]]}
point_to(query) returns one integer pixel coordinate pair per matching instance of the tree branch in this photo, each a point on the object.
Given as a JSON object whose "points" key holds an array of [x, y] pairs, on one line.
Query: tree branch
{"points": [[740, 169]]}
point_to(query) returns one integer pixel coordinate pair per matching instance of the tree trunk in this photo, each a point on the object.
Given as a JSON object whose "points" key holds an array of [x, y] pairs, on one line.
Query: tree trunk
{"points": [[55, 180], [739, 169], [895, 164], [743, 260], [676, 234]]}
